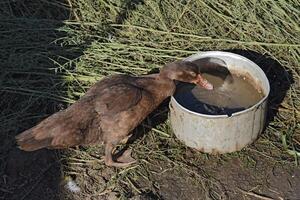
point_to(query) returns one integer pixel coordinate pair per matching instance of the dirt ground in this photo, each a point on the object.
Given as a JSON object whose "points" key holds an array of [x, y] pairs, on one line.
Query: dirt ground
{"points": [[38, 175]]}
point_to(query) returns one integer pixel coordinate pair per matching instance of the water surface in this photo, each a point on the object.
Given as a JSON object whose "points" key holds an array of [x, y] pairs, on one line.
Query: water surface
{"points": [[230, 94]]}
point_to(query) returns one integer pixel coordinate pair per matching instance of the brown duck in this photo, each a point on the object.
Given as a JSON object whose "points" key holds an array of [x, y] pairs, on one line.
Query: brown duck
{"points": [[109, 111]]}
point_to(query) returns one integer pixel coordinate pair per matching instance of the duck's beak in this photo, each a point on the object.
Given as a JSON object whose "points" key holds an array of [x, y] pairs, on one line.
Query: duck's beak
{"points": [[202, 82]]}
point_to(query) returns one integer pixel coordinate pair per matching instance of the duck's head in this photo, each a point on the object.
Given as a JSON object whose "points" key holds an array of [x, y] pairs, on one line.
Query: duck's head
{"points": [[185, 72]]}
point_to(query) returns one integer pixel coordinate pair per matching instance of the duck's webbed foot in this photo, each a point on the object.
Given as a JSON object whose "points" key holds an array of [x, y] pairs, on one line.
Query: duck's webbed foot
{"points": [[123, 161], [126, 157]]}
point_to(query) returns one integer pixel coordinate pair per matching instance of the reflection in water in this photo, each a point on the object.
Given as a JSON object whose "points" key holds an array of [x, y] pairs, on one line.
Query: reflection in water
{"points": [[230, 94]]}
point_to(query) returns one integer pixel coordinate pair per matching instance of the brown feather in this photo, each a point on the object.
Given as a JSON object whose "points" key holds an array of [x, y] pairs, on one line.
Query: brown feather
{"points": [[108, 112]]}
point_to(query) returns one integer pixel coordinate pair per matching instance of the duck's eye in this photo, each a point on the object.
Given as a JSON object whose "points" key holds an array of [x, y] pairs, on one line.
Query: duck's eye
{"points": [[193, 73]]}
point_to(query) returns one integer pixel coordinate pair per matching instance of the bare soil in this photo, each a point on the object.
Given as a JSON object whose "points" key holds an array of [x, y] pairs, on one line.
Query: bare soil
{"points": [[38, 175]]}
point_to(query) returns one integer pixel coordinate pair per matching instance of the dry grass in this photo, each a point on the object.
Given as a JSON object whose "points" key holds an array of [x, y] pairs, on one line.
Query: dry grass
{"points": [[52, 52]]}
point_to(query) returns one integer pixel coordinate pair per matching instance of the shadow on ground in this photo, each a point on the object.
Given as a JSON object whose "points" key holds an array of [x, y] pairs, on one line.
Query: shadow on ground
{"points": [[30, 90], [31, 87], [279, 78]]}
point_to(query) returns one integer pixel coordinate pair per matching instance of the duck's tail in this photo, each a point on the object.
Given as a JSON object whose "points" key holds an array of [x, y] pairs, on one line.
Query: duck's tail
{"points": [[27, 141], [57, 131], [66, 128]]}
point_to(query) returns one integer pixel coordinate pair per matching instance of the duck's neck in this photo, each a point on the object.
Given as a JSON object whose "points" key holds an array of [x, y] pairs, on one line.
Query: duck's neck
{"points": [[158, 84], [161, 77], [167, 84], [167, 73]]}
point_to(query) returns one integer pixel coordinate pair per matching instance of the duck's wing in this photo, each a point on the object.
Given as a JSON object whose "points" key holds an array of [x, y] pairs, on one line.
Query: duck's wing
{"points": [[117, 98]]}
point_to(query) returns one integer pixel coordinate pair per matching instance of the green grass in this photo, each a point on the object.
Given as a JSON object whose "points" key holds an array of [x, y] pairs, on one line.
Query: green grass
{"points": [[51, 53]]}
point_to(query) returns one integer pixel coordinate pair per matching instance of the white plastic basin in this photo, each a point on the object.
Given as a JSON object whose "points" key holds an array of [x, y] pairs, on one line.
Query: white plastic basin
{"points": [[219, 134]]}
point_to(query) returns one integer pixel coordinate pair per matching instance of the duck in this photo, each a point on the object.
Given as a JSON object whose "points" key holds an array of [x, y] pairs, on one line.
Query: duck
{"points": [[109, 111]]}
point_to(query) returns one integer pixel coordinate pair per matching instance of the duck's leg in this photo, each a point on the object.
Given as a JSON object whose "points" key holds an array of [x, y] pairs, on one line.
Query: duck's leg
{"points": [[124, 159]]}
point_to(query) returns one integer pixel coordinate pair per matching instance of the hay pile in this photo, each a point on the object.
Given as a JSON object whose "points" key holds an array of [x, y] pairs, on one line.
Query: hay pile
{"points": [[180, 28], [51, 52]]}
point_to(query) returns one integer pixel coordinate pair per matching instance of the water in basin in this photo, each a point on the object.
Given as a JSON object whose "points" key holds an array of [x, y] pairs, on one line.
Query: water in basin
{"points": [[232, 94]]}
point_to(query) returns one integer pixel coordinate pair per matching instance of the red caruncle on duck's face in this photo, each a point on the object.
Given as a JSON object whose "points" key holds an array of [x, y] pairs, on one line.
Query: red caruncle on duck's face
{"points": [[189, 73]]}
